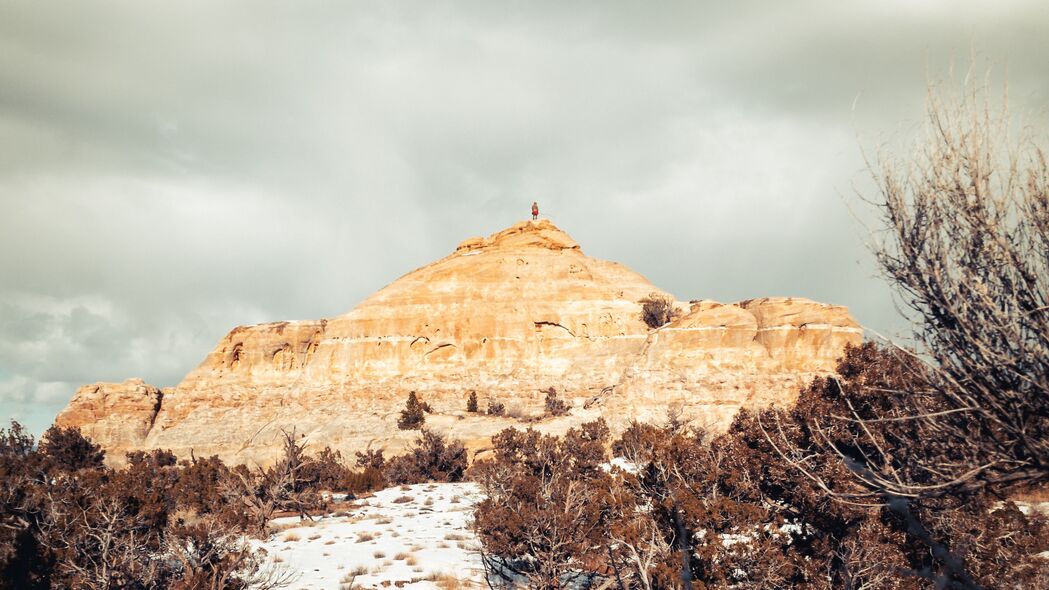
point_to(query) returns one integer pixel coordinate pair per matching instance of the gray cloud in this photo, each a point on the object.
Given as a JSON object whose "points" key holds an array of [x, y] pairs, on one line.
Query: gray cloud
{"points": [[168, 171]]}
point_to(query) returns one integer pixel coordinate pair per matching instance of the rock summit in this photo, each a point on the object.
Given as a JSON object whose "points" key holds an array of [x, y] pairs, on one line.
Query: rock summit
{"points": [[508, 317]]}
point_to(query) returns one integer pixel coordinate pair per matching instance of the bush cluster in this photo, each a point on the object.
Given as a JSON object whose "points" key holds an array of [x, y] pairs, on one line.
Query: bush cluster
{"points": [[68, 521], [729, 511]]}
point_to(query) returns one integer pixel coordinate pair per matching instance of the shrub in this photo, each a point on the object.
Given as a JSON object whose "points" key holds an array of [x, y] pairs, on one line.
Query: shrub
{"points": [[658, 310], [471, 402], [69, 450], [431, 458], [496, 409], [413, 415], [544, 502], [555, 406]]}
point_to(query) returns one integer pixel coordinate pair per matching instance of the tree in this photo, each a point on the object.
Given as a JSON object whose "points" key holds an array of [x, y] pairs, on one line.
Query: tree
{"points": [[471, 402], [413, 415]]}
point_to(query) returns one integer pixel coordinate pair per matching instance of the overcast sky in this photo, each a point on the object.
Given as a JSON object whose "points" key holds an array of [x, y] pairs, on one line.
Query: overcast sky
{"points": [[169, 170]]}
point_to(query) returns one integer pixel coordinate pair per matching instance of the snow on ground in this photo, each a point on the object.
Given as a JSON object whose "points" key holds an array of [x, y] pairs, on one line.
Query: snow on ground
{"points": [[412, 537]]}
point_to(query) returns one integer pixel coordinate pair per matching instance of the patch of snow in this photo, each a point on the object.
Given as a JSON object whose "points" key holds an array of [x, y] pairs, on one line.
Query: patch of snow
{"points": [[399, 537]]}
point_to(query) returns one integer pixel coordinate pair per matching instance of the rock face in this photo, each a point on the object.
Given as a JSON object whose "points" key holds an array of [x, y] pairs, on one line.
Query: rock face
{"points": [[117, 415], [506, 316]]}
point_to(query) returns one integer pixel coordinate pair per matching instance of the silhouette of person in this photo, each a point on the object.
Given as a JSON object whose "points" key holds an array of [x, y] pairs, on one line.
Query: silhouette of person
{"points": [[535, 210]]}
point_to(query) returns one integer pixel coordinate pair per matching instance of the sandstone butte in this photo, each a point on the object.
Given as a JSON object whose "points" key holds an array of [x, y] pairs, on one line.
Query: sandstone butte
{"points": [[507, 317]]}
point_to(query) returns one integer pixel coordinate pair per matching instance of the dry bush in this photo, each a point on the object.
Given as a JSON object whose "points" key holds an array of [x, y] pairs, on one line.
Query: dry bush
{"points": [[658, 310], [402, 499], [496, 408], [964, 240], [260, 494], [471, 402], [965, 243], [555, 406]]}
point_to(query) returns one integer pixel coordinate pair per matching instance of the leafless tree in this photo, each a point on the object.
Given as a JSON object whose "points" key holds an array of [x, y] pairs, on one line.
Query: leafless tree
{"points": [[965, 243], [964, 240], [209, 556], [262, 493], [98, 542]]}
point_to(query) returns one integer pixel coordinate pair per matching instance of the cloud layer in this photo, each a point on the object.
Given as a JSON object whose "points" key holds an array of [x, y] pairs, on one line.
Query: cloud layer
{"points": [[168, 171]]}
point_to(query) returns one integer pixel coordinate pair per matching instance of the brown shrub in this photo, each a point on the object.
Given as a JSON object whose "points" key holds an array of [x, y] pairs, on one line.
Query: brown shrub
{"points": [[496, 408], [69, 450], [431, 458], [555, 406], [658, 310]]}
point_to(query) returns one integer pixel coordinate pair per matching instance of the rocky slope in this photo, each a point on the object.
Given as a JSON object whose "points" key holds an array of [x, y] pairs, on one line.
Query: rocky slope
{"points": [[506, 316]]}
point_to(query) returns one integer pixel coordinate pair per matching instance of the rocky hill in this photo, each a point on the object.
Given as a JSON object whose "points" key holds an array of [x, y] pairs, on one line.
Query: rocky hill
{"points": [[506, 316]]}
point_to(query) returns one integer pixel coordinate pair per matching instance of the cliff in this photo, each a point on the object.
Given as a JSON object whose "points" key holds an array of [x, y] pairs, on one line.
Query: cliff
{"points": [[506, 316]]}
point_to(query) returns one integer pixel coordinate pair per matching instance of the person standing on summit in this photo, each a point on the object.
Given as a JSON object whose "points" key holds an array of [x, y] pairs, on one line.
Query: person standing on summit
{"points": [[535, 210]]}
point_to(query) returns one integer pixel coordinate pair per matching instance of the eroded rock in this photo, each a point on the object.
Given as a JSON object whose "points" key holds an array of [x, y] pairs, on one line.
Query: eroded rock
{"points": [[507, 316]]}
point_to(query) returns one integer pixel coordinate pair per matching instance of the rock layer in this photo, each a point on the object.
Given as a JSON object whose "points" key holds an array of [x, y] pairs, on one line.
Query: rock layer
{"points": [[506, 316]]}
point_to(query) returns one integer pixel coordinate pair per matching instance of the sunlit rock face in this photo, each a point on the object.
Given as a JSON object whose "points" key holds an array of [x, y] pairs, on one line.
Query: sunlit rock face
{"points": [[506, 316]]}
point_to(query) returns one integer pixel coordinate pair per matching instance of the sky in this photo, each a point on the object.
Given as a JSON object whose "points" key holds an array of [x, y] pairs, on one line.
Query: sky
{"points": [[169, 170]]}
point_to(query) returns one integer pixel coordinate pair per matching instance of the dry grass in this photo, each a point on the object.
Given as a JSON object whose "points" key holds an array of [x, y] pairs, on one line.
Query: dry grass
{"points": [[329, 542], [379, 554], [411, 561], [401, 556], [291, 537], [428, 502], [406, 488], [444, 581], [313, 537], [365, 537], [348, 581], [402, 499], [456, 537]]}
